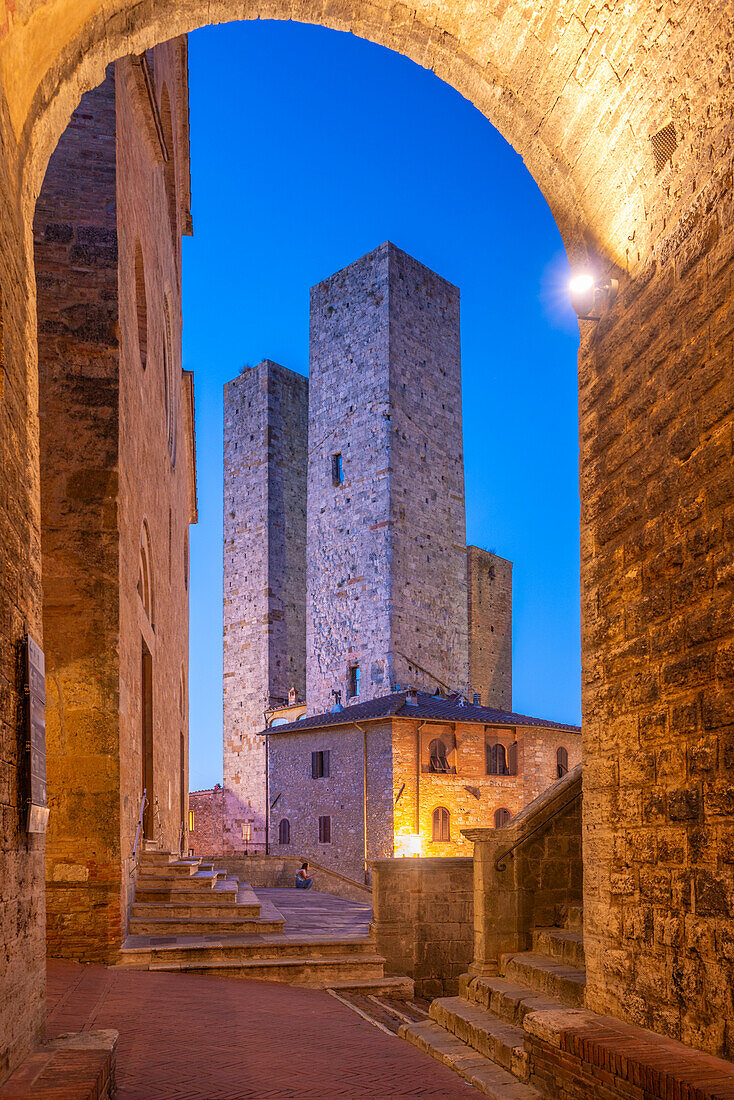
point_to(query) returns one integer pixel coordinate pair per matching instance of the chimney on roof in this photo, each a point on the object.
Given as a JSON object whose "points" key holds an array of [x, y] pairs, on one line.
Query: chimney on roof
{"points": [[477, 699], [292, 697], [411, 697], [337, 702]]}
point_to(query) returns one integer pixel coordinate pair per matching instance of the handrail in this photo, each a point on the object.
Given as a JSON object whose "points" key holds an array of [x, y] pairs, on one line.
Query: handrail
{"points": [[499, 863], [143, 803]]}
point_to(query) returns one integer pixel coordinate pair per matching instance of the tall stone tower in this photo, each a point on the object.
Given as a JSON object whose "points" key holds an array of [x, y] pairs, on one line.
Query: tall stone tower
{"points": [[265, 455], [387, 595], [489, 611]]}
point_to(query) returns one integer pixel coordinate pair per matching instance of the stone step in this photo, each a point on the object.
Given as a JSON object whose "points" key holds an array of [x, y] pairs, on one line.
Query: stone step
{"points": [[193, 951], [481, 1072], [178, 869], [401, 988], [507, 1000], [556, 979], [484, 1032], [560, 943], [232, 924], [318, 971], [157, 857], [575, 918], [199, 910]]}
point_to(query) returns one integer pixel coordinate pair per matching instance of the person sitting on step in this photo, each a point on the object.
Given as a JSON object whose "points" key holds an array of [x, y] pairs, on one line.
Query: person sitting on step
{"points": [[304, 881]]}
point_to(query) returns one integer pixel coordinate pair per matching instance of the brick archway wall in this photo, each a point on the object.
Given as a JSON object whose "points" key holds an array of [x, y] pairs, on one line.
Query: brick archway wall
{"points": [[579, 90]]}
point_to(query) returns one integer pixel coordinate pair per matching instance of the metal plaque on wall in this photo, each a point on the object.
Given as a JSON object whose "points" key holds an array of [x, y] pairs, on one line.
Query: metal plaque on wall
{"points": [[36, 688]]}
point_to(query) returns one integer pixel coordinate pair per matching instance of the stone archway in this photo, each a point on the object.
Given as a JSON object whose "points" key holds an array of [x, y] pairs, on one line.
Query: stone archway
{"points": [[624, 119]]}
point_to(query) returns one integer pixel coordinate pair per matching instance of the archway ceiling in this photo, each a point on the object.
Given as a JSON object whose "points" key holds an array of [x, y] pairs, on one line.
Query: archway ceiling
{"points": [[570, 84]]}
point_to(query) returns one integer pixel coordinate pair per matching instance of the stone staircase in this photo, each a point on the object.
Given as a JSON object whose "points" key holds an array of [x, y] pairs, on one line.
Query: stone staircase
{"points": [[189, 916], [480, 1033]]}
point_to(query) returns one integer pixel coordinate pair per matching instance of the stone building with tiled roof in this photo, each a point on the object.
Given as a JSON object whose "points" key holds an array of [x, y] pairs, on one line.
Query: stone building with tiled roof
{"points": [[405, 774]]}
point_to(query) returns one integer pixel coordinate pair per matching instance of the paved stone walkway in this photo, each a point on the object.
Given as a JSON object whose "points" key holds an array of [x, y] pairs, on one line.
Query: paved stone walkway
{"points": [[191, 1037], [307, 912]]}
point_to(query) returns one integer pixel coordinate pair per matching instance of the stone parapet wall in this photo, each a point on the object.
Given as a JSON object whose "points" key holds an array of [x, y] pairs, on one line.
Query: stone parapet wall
{"points": [[423, 914], [279, 872], [527, 873]]}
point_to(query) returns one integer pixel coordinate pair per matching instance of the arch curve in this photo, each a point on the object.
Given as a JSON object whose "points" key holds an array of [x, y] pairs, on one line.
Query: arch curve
{"points": [[475, 53]]}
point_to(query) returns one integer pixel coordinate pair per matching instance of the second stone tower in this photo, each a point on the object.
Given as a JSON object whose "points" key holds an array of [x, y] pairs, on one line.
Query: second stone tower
{"points": [[387, 569]]}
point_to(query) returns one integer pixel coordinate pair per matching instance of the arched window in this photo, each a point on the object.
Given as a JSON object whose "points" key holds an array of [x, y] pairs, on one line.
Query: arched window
{"points": [[169, 389], [497, 760], [284, 831], [512, 759], [501, 817], [561, 762], [439, 761], [141, 305], [441, 824], [145, 574]]}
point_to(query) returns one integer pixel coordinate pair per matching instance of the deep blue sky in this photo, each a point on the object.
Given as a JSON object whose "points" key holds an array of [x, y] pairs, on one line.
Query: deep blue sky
{"points": [[308, 149]]}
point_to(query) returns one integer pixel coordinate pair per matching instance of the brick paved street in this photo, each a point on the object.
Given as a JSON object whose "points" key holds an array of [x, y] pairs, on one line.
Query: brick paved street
{"points": [[190, 1037]]}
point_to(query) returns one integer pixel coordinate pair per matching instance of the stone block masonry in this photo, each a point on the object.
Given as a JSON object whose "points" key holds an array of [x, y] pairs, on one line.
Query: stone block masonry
{"points": [[265, 441], [113, 543], [489, 614], [386, 524]]}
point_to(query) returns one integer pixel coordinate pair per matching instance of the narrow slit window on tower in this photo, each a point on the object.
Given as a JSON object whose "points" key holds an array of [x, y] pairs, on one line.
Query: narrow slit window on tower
{"points": [[337, 469], [353, 681], [561, 762], [324, 830], [320, 764]]}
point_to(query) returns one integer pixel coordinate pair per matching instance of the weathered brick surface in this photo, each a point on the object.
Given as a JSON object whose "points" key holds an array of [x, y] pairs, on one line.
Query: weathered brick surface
{"points": [[265, 458], [386, 561], [104, 196], [489, 616], [657, 410], [423, 915]]}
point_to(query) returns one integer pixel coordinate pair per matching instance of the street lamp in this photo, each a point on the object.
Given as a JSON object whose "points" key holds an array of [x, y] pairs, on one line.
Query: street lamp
{"points": [[592, 296]]}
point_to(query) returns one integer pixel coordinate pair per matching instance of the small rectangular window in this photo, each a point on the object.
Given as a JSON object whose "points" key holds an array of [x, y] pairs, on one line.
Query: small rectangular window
{"points": [[191, 821], [337, 469], [247, 832], [324, 830], [320, 764], [353, 681]]}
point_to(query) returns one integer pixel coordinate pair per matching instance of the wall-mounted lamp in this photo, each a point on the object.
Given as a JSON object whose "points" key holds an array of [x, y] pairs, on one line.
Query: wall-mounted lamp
{"points": [[591, 297]]}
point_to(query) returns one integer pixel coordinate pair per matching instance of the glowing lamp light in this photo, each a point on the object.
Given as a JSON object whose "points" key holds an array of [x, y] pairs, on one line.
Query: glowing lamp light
{"points": [[407, 845], [591, 297], [581, 284]]}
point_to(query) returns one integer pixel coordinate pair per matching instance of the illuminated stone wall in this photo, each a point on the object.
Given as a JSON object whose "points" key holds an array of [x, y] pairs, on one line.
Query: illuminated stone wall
{"points": [[102, 365]]}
